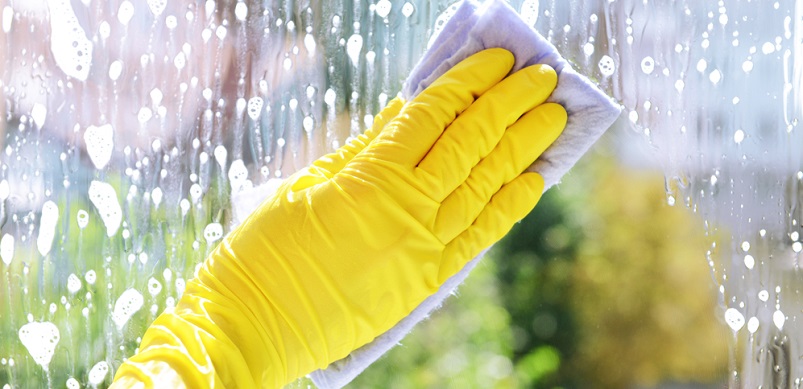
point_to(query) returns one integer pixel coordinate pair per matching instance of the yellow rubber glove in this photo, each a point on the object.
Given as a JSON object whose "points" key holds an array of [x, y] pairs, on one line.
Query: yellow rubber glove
{"points": [[352, 244]]}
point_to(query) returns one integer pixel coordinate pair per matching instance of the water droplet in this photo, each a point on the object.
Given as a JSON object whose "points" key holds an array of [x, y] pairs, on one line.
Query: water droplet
{"points": [[738, 136], [763, 295], [746, 246], [408, 9], [749, 261], [154, 286], [180, 61], [115, 69], [779, 319], [47, 227], [715, 76], [588, 49], [171, 22], [702, 65], [330, 97], [747, 66], [647, 65], [309, 44], [184, 204], [734, 318], [767, 48], [221, 32], [144, 114], [308, 123]]}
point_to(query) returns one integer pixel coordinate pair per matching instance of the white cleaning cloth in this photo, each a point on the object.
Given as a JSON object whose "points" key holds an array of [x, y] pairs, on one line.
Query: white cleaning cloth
{"points": [[471, 29]]}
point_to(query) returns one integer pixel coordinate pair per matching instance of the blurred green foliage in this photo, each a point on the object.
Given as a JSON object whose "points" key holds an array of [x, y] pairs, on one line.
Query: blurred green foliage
{"points": [[603, 285]]}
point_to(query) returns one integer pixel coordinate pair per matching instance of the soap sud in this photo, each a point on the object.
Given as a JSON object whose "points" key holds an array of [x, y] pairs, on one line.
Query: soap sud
{"points": [[156, 196], [40, 338], [154, 286], [383, 8], [39, 114], [5, 190], [8, 17], [752, 325], [213, 232], [238, 176], [98, 373], [129, 302], [73, 284], [99, 144], [734, 319], [125, 12], [47, 227], [82, 217], [220, 156], [241, 11], [607, 66], [90, 277], [157, 6], [72, 383], [71, 49], [7, 248], [255, 107], [310, 44], [104, 198], [353, 48], [441, 22], [529, 11]]}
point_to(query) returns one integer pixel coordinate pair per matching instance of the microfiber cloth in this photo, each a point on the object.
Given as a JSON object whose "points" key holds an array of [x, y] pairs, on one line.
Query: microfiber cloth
{"points": [[472, 28]]}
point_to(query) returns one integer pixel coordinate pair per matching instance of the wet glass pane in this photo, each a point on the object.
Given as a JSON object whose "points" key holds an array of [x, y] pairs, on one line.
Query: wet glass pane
{"points": [[130, 126]]}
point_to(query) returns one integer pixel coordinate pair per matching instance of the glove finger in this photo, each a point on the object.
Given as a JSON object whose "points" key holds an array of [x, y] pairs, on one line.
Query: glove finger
{"points": [[512, 203], [423, 119], [475, 133], [521, 144], [331, 163]]}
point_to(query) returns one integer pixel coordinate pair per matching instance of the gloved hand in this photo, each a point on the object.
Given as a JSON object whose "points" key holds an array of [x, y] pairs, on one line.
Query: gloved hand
{"points": [[352, 244]]}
